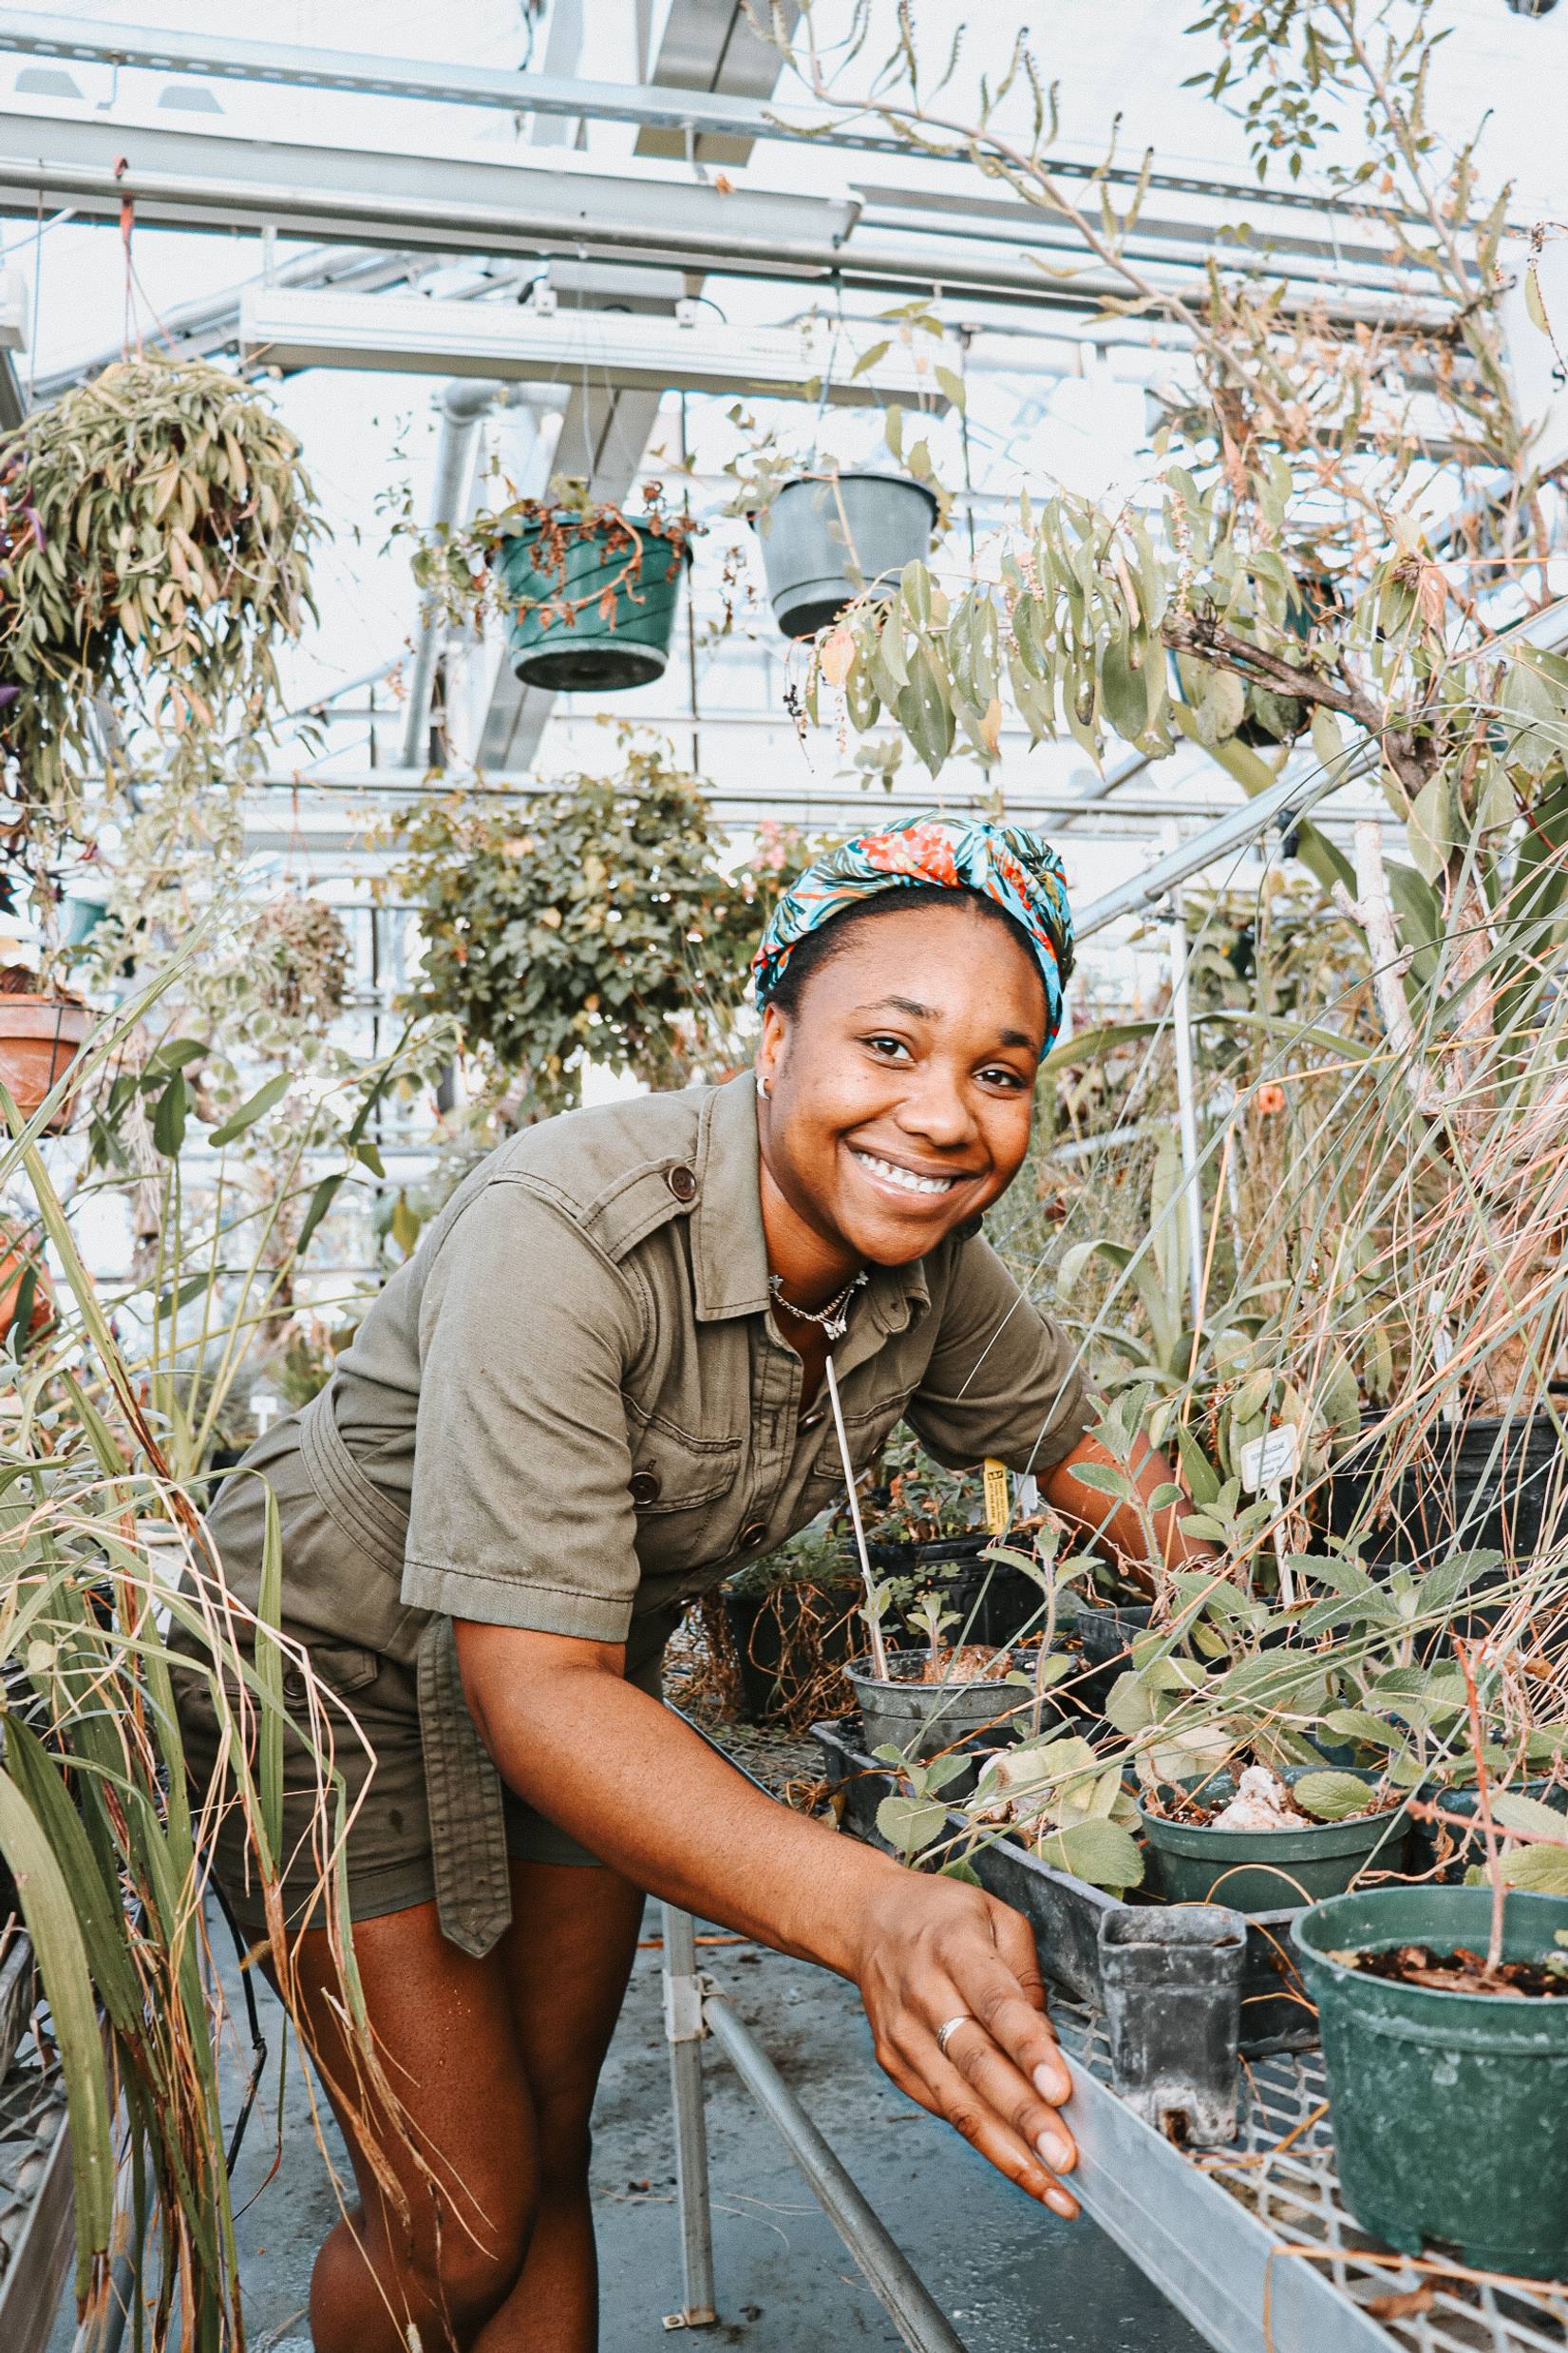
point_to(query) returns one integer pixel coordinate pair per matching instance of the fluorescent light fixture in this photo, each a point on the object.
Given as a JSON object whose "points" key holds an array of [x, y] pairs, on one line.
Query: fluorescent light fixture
{"points": [[47, 82], [285, 327], [189, 98]]}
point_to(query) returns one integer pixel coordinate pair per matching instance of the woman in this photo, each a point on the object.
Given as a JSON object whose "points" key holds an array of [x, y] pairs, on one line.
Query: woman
{"points": [[596, 1389]]}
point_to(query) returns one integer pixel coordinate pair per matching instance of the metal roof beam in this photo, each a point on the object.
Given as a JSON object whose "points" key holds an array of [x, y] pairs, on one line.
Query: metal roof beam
{"points": [[187, 178], [704, 113]]}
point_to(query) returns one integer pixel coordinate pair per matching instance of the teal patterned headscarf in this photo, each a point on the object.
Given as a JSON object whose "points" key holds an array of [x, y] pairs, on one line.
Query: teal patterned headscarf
{"points": [[1008, 863]]}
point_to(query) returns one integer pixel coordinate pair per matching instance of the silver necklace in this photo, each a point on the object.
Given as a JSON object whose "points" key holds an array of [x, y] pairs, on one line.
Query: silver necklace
{"points": [[834, 1318]]}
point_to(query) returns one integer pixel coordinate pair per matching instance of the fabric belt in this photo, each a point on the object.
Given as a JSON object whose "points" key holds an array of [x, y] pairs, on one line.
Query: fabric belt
{"points": [[467, 1817]]}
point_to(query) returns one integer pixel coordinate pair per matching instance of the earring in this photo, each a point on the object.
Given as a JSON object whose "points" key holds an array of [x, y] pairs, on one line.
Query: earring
{"points": [[761, 1088]]}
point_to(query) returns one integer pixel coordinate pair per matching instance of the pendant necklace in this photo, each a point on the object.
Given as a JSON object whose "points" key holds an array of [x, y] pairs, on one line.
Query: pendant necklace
{"points": [[834, 1318]]}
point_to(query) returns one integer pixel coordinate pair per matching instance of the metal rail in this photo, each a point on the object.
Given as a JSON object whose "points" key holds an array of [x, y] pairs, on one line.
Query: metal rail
{"points": [[694, 2007]]}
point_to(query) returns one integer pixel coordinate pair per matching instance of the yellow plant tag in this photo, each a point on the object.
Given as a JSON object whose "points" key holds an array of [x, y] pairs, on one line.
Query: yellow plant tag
{"points": [[998, 1500]]}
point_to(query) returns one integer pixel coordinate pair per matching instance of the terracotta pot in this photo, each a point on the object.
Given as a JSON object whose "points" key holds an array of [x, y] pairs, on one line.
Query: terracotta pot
{"points": [[19, 1251], [40, 1037]]}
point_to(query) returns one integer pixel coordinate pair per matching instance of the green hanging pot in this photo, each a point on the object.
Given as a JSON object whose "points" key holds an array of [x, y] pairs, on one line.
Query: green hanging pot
{"points": [[593, 604], [1451, 2110], [1266, 1870]]}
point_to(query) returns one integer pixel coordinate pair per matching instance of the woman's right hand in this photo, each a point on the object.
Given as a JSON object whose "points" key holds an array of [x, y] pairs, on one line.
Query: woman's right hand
{"points": [[932, 1950]]}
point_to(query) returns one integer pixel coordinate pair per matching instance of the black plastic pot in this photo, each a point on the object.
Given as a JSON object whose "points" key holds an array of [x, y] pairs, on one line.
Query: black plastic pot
{"points": [[781, 1643], [1172, 1988], [1481, 1485], [1466, 1847], [993, 1602], [1451, 2110], [1107, 1636]]}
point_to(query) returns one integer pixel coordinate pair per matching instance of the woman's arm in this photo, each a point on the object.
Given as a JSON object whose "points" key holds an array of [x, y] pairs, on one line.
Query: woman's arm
{"points": [[1127, 1525], [637, 1786]]}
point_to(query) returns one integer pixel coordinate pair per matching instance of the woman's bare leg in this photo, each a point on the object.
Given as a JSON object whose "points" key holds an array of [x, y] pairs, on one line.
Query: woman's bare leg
{"points": [[567, 1955], [445, 2029]]}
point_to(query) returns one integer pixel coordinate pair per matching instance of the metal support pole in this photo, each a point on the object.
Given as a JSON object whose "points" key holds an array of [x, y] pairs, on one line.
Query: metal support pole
{"points": [[1192, 1183], [922, 2328], [684, 2030]]}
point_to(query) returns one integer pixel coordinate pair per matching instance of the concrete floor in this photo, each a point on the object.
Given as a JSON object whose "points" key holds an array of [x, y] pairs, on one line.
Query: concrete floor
{"points": [[1011, 2278]]}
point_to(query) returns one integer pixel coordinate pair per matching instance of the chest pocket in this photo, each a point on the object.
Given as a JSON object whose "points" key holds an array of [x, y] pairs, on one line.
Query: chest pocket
{"points": [[672, 1471], [867, 1432]]}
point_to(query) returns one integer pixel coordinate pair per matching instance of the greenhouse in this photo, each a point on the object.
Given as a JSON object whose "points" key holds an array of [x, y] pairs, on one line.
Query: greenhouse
{"points": [[784, 1177]]}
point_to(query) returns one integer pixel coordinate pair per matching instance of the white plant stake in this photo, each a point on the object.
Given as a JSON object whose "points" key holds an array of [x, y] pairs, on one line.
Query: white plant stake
{"points": [[1266, 1464], [874, 1624]]}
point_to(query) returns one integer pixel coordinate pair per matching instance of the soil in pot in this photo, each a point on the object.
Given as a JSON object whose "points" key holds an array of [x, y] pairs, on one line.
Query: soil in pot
{"points": [[826, 541], [40, 1039], [1449, 2106], [598, 624], [924, 1716], [1197, 1860]]}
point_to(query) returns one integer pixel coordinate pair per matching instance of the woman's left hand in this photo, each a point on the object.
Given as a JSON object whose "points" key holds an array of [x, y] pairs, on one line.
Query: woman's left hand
{"points": [[932, 1950]]}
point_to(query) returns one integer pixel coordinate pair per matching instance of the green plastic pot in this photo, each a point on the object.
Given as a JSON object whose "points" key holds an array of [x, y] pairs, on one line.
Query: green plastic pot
{"points": [[583, 649], [1451, 2111], [1266, 1870]]}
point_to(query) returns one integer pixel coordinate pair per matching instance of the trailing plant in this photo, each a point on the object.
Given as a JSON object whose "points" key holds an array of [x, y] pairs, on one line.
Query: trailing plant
{"points": [[155, 529], [596, 924], [458, 570]]}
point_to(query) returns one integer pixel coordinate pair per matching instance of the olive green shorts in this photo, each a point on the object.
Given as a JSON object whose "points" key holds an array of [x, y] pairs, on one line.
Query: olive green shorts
{"points": [[377, 1751]]}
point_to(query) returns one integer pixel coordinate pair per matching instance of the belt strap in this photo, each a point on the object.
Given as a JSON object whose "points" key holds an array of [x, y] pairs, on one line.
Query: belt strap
{"points": [[467, 1816]]}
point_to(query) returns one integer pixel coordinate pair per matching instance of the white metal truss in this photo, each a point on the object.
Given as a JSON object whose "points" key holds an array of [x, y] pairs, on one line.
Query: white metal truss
{"points": [[512, 342]]}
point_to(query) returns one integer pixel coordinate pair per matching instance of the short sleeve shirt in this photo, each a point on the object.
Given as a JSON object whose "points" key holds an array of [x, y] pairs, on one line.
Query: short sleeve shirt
{"points": [[577, 1390]]}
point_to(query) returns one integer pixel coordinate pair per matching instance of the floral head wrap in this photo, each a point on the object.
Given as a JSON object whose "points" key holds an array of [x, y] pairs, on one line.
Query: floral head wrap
{"points": [[1010, 864]]}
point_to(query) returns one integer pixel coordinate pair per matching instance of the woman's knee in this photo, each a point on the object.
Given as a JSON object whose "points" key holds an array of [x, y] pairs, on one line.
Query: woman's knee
{"points": [[563, 2110], [449, 2269]]}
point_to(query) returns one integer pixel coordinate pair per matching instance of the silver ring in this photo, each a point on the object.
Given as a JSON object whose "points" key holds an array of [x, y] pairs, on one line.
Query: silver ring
{"points": [[950, 2026]]}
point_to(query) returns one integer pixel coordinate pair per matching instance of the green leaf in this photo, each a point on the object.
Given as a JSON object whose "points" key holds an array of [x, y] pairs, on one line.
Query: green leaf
{"points": [[321, 1201], [1129, 1708], [1517, 1813], [51, 1922], [1331, 1796], [248, 1114], [169, 1118], [910, 1824], [1105, 1480], [1430, 829], [1543, 1870], [871, 357], [1102, 1852], [952, 385]]}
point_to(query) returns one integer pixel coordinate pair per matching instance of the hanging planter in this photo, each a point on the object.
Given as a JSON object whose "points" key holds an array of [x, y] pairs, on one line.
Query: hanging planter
{"points": [[1450, 2108], [1195, 1861], [592, 593], [40, 1039], [828, 539]]}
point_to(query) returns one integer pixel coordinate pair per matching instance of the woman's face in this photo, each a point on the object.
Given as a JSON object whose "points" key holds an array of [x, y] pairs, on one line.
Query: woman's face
{"points": [[899, 1094]]}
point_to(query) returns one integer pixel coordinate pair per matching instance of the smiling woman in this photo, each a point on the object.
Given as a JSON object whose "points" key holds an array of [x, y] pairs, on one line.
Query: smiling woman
{"points": [[591, 1394]]}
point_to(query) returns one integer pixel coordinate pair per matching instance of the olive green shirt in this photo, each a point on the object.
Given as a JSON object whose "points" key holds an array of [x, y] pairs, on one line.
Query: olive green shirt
{"points": [[576, 1390]]}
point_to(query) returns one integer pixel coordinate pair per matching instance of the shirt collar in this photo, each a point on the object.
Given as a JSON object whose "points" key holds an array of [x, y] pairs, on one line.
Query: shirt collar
{"points": [[728, 1247]]}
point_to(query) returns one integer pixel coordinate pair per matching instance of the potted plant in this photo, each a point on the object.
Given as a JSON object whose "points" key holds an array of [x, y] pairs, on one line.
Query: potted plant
{"points": [[1260, 1840], [154, 531], [41, 1032], [587, 591], [830, 534], [791, 1619], [595, 927]]}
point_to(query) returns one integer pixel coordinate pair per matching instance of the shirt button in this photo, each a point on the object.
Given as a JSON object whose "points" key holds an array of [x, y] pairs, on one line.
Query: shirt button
{"points": [[682, 1182], [645, 1487], [753, 1535], [294, 1684], [812, 1421]]}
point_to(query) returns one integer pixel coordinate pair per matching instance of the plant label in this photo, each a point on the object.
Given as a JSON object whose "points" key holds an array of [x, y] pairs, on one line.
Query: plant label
{"points": [[998, 1500], [1269, 1461]]}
